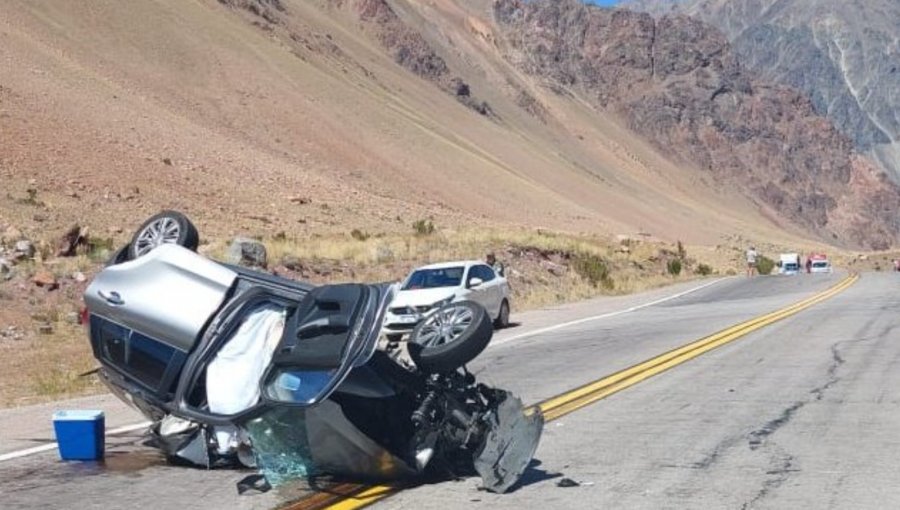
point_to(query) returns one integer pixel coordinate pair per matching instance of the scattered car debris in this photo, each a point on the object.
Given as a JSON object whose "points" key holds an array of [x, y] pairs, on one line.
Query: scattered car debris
{"points": [[567, 482], [237, 367]]}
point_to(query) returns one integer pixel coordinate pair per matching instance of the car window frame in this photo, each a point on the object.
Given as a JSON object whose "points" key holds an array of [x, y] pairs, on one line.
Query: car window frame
{"points": [[481, 271], [463, 279]]}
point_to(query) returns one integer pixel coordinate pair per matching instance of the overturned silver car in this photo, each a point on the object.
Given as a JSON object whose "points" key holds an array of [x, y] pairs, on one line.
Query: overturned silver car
{"points": [[240, 367]]}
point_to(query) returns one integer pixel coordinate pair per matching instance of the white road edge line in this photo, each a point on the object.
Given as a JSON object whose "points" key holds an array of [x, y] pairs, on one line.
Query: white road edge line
{"points": [[130, 428], [606, 315], [50, 446]]}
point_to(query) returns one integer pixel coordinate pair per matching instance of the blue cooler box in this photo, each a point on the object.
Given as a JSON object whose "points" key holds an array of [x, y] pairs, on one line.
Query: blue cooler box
{"points": [[80, 434]]}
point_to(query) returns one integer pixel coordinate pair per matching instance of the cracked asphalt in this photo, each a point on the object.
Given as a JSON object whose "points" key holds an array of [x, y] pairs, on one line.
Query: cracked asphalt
{"points": [[802, 412]]}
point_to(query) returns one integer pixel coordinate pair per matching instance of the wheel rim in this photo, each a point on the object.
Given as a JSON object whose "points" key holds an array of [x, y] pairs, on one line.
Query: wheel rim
{"points": [[160, 232], [504, 314], [445, 326]]}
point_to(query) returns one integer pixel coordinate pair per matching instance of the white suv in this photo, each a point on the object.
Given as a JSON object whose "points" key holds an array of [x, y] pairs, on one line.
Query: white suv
{"points": [[429, 287]]}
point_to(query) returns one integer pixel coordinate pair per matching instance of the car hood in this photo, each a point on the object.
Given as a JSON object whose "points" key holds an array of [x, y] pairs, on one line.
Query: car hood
{"points": [[422, 297]]}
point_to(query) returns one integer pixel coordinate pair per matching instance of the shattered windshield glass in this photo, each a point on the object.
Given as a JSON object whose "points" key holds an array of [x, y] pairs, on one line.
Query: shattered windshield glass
{"points": [[280, 444]]}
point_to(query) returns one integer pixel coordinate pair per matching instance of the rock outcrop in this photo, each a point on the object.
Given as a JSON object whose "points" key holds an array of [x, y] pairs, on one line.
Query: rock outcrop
{"points": [[410, 49], [676, 81], [844, 55]]}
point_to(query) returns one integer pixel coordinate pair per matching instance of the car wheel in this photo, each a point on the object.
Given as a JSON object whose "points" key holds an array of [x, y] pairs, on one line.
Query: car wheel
{"points": [[502, 320], [452, 336], [167, 227]]}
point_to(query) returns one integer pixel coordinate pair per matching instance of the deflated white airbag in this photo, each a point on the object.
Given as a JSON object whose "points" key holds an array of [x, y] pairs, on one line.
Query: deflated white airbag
{"points": [[232, 377]]}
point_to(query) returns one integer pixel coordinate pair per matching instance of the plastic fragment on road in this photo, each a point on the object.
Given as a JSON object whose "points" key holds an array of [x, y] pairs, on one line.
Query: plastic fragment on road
{"points": [[509, 446], [567, 482]]}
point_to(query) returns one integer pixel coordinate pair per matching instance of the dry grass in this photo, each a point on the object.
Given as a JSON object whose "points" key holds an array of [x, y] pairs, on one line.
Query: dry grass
{"points": [[41, 368], [441, 245], [389, 257]]}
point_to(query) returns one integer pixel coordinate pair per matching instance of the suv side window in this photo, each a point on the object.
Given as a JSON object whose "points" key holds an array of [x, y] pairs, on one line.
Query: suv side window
{"points": [[486, 273], [475, 272]]}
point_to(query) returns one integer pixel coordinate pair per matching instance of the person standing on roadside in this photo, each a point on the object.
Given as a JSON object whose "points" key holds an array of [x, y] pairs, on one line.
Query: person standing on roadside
{"points": [[495, 264], [808, 264], [752, 255]]}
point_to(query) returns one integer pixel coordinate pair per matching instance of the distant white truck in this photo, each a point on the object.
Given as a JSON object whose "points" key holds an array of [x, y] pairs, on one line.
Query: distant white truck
{"points": [[789, 264]]}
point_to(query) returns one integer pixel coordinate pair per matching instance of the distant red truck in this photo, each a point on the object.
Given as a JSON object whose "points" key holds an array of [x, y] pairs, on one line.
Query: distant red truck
{"points": [[818, 263]]}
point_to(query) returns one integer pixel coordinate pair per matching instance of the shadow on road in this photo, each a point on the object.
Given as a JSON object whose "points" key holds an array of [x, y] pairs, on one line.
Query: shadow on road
{"points": [[533, 475]]}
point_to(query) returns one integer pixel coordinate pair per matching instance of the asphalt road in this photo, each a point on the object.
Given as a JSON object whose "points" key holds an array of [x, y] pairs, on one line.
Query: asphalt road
{"points": [[801, 412]]}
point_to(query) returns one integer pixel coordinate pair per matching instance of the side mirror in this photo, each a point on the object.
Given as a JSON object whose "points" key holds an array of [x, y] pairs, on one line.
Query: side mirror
{"points": [[475, 282]]}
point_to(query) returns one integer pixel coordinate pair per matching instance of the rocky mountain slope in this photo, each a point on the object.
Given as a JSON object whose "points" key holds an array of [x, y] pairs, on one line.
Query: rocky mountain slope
{"points": [[320, 117], [678, 83], [844, 55]]}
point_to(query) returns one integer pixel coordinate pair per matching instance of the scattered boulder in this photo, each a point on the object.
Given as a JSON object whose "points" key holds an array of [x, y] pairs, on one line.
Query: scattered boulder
{"points": [[6, 270], [79, 277], [71, 240], [554, 268], [299, 200], [12, 333], [24, 249], [45, 279], [247, 252], [292, 263], [11, 235]]}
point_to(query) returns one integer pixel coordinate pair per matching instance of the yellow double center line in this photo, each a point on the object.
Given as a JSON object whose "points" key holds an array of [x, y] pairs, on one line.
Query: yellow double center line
{"points": [[585, 395], [573, 400]]}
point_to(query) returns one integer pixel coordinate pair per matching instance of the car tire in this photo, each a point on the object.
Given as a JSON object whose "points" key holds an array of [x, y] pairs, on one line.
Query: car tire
{"points": [[394, 337], [167, 227], [502, 320], [469, 328]]}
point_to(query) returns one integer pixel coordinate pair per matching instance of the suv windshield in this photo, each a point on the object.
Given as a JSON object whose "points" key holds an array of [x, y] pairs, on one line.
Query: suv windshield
{"points": [[820, 264], [434, 278]]}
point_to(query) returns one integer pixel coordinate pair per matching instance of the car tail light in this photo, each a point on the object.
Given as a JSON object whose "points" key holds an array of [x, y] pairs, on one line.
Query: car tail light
{"points": [[83, 316]]}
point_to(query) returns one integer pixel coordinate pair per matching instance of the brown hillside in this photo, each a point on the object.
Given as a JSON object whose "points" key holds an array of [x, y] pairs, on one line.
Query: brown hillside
{"points": [[228, 110]]}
